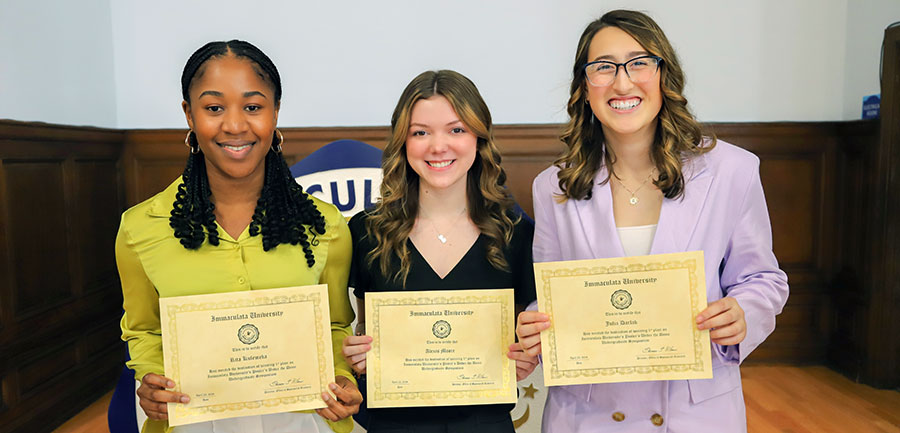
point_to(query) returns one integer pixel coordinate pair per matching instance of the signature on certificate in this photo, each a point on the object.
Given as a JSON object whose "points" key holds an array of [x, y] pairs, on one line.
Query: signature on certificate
{"points": [[292, 381], [661, 349]]}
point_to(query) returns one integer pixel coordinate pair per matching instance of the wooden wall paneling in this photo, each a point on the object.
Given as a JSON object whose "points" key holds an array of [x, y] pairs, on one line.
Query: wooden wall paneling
{"points": [[849, 297], [888, 363], [7, 385], [60, 204], [866, 293], [36, 187], [6, 276], [151, 160], [527, 150], [96, 221], [882, 362], [797, 163]]}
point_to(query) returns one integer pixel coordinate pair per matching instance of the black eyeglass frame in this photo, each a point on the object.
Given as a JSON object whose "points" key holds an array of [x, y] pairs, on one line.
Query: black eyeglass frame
{"points": [[659, 62]]}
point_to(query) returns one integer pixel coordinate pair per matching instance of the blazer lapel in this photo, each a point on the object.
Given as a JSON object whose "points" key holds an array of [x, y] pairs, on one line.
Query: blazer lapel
{"points": [[678, 218], [598, 222]]}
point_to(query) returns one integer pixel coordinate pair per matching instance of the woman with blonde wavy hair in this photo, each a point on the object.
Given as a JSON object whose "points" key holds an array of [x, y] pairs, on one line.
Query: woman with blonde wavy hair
{"points": [[639, 178], [444, 222]]}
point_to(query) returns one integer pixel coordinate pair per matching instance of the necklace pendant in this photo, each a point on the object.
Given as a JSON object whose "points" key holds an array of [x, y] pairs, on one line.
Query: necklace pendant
{"points": [[442, 238], [633, 200]]}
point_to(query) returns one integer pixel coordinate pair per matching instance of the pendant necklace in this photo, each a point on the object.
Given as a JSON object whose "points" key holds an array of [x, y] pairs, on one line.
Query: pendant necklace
{"points": [[440, 236], [634, 200]]}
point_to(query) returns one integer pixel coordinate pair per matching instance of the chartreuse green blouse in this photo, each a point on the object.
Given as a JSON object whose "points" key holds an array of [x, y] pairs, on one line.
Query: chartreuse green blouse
{"points": [[153, 264]]}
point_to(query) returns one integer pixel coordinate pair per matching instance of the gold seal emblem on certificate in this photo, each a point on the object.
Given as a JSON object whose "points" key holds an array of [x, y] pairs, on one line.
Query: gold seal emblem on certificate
{"points": [[624, 319], [441, 329], [621, 299], [248, 334]]}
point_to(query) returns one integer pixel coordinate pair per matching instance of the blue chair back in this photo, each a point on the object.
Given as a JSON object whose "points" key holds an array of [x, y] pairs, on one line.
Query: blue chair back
{"points": [[121, 416]]}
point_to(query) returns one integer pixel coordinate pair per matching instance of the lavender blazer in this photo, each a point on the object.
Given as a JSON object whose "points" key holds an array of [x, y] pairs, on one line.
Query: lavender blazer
{"points": [[723, 213]]}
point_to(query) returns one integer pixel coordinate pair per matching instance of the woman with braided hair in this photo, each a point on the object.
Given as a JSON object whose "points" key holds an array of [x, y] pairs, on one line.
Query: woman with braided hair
{"points": [[236, 220]]}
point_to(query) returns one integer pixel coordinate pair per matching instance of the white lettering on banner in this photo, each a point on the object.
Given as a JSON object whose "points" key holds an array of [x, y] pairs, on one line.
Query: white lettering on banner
{"points": [[349, 189]]}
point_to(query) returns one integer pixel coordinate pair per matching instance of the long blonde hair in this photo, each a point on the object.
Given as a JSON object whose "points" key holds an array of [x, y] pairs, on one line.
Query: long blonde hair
{"points": [[678, 134], [488, 202]]}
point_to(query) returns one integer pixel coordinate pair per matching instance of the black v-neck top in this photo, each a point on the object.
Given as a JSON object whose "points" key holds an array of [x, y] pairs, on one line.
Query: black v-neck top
{"points": [[473, 271]]}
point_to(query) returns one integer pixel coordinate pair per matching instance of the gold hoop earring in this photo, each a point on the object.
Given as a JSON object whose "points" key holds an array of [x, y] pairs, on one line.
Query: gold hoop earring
{"points": [[187, 142], [277, 147]]}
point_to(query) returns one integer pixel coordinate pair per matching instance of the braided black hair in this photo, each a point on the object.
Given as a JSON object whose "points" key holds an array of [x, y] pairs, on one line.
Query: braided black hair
{"points": [[283, 211]]}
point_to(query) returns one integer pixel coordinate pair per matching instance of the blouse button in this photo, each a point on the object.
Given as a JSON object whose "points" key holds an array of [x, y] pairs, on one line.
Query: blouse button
{"points": [[241, 280], [656, 419], [618, 417]]}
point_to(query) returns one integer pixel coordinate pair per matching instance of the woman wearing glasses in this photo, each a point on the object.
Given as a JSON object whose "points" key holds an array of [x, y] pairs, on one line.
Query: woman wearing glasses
{"points": [[639, 178]]}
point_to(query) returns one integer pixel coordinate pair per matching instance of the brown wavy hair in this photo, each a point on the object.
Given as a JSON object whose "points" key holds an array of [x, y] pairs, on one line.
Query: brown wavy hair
{"points": [[678, 134], [488, 202]]}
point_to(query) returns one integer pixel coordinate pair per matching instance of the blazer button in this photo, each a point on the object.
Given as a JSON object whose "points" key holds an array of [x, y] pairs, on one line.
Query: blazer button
{"points": [[618, 417], [656, 419]]}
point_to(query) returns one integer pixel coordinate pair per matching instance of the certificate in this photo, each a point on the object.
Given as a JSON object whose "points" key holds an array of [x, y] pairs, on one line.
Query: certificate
{"points": [[247, 353], [624, 319], [440, 348]]}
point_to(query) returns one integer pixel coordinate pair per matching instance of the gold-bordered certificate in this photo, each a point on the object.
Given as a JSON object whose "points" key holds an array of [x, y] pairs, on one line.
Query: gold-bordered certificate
{"points": [[624, 319], [440, 348], [247, 353]]}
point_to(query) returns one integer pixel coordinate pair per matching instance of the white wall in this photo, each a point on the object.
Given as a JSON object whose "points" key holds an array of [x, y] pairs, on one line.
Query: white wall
{"points": [[866, 21], [56, 62], [345, 63]]}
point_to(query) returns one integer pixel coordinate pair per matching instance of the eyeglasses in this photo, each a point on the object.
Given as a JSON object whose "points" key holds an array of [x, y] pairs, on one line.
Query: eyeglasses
{"points": [[639, 69]]}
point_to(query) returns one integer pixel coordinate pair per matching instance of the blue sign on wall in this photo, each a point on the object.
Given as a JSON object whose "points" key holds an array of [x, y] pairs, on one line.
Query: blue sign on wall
{"points": [[871, 106]]}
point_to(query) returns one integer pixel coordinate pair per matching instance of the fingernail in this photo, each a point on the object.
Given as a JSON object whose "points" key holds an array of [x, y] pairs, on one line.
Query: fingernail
{"points": [[185, 399], [333, 387], [325, 396], [170, 384]]}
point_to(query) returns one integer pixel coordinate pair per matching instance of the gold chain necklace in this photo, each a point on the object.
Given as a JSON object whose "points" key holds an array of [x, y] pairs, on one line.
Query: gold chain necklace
{"points": [[634, 200]]}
